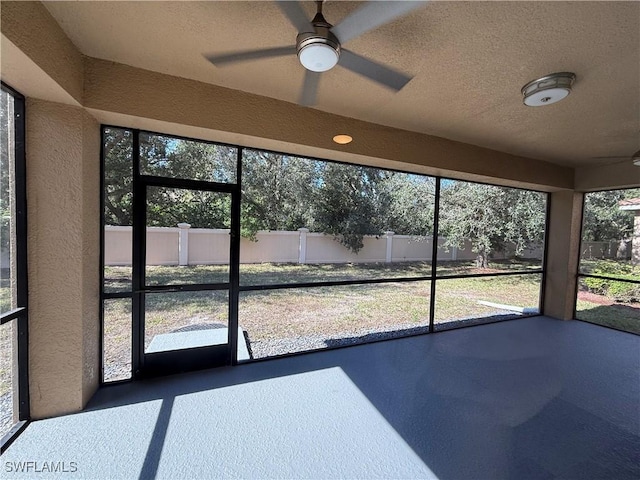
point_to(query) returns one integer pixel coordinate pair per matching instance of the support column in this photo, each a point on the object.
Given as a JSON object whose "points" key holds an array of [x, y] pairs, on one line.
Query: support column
{"points": [[302, 248], [635, 241], [389, 255], [183, 244], [63, 195], [563, 252]]}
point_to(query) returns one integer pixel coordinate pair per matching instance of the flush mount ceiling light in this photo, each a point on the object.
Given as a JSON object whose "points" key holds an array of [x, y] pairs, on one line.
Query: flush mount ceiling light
{"points": [[549, 89], [318, 53], [342, 139]]}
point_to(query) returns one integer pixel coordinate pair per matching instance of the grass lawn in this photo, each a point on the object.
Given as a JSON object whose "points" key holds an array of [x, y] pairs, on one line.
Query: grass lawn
{"points": [[610, 303], [119, 278], [6, 357], [622, 317], [282, 321], [6, 377], [458, 299]]}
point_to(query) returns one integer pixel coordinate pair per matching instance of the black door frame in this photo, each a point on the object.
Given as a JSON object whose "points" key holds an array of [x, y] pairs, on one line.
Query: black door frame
{"points": [[164, 363]]}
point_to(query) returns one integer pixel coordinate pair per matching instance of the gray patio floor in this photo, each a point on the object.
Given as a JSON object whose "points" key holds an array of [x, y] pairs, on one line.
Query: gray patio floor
{"points": [[529, 398]]}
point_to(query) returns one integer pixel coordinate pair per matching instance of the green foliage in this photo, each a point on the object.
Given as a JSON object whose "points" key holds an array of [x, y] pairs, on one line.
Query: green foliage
{"points": [[412, 204], [5, 229], [118, 176], [6, 167], [351, 202], [169, 157], [283, 192], [277, 192], [491, 218], [603, 219], [618, 291]]}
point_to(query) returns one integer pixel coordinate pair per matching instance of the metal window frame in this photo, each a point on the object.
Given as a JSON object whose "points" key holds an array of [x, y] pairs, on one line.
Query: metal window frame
{"points": [[580, 275], [20, 314], [138, 288]]}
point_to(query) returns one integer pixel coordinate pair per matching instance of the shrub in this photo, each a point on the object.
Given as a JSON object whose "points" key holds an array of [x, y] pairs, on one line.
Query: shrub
{"points": [[618, 291]]}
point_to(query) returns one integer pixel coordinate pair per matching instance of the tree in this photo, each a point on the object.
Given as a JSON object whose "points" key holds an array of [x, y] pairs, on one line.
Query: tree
{"points": [[6, 166], [603, 220], [490, 218], [277, 192], [283, 192], [188, 159], [118, 176], [168, 157], [412, 204], [351, 202]]}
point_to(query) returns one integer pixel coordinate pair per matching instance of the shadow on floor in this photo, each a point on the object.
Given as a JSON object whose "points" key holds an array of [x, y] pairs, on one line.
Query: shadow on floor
{"points": [[534, 398]]}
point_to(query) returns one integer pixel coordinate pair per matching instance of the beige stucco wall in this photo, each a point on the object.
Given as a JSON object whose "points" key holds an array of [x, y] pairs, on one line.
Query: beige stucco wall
{"points": [[162, 246], [205, 248], [620, 175], [32, 29], [408, 248], [117, 245], [635, 243], [90, 166], [267, 123], [562, 254], [63, 178]]}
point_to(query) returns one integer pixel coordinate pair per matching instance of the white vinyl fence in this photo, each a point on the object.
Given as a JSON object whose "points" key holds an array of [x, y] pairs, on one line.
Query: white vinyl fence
{"points": [[199, 246]]}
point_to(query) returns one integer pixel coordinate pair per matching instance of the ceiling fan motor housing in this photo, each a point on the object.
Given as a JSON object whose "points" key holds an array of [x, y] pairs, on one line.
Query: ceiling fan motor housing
{"points": [[318, 51]]}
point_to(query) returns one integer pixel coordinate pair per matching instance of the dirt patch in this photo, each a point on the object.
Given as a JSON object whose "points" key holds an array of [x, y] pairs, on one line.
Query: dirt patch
{"points": [[602, 300], [595, 298]]}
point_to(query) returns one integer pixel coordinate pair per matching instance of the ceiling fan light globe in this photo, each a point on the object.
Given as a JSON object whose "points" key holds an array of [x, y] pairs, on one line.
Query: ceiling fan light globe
{"points": [[546, 97], [318, 57]]}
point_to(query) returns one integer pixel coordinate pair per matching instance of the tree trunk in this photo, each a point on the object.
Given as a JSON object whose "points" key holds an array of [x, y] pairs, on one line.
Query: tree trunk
{"points": [[482, 260]]}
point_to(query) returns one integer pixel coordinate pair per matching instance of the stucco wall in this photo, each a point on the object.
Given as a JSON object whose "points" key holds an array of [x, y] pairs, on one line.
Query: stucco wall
{"points": [[565, 218], [32, 29], [270, 247], [190, 103], [621, 175], [63, 253], [90, 165], [162, 246]]}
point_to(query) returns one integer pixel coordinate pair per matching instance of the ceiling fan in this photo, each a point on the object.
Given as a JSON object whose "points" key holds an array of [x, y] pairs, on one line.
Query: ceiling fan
{"points": [[635, 158], [319, 44]]}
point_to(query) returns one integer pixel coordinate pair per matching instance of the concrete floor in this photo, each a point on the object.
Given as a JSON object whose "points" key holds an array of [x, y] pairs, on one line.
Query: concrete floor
{"points": [[530, 398]]}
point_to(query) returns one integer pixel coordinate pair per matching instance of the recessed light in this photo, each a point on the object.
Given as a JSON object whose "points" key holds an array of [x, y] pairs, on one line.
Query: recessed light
{"points": [[548, 90], [342, 139]]}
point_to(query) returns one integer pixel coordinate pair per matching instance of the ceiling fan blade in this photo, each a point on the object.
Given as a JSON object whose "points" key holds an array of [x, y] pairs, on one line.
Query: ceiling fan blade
{"points": [[309, 88], [296, 15], [372, 70], [372, 15], [244, 55]]}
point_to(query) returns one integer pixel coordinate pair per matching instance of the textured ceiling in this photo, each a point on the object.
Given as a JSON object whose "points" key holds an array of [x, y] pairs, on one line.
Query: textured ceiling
{"points": [[470, 60]]}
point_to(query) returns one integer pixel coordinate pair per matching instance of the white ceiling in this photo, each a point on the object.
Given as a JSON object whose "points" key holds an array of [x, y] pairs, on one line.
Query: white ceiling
{"points": [[470, 60]]}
